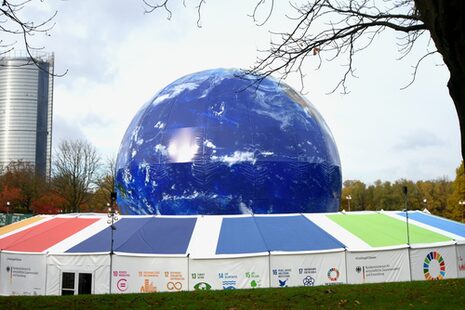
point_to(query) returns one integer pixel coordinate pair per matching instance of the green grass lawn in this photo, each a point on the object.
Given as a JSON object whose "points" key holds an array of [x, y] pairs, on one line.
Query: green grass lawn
{"points": [[446, 294]]}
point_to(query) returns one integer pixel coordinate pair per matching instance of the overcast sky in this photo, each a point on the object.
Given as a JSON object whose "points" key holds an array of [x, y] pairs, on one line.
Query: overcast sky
{"points": [[117, 57]]}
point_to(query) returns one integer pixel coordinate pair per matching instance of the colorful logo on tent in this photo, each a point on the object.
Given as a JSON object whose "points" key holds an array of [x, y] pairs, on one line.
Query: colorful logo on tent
{"points": [[122, 285], [282, 283], [253, 284], [461, 264], [434, 266], [308, 281], [148, 287], [174, 286], [202, 286], [333, 274]]}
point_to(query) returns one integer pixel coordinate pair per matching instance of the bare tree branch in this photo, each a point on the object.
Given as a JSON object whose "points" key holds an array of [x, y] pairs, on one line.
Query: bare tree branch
{"points": [[75, 172], [415, 68], [154, 5], [337, 29], [12, 24]]}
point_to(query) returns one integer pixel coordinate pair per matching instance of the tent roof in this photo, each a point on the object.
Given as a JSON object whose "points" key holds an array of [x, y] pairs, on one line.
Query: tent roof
{"points": [[258, 234], [239, 236], [40, 237], [225, 236], [455, 228], [380, 230], [150, 235], [17, 225]]}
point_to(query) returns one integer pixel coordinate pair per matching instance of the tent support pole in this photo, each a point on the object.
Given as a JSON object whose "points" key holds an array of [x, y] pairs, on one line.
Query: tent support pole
{"points": [[457, 258], [269, 269], [188, 273], [409, 262], [347, 270], [111, 271], [46, 273]]}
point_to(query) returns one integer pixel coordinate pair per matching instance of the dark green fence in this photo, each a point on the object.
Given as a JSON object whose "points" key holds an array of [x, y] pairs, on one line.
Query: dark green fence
{"points": [[6, 219]]}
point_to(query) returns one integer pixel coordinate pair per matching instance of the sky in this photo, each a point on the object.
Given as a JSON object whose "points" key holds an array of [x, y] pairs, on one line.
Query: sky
{"points": [[117, 58]]}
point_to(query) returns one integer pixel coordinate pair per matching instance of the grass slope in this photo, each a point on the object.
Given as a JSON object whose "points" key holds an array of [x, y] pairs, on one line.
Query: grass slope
{"points": [[446, 294]]}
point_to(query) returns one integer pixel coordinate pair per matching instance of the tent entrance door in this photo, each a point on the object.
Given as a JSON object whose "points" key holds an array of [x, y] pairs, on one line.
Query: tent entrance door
{"points": [[76, 283]]}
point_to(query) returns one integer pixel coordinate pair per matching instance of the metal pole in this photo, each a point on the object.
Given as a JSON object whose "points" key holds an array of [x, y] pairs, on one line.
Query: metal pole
{"points": [[112, 214], [408, 233], [348, 197], [406, 214]]}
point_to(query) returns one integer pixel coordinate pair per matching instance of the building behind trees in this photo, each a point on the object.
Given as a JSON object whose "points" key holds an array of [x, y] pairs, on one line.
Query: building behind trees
{"points": [[26, 105]]}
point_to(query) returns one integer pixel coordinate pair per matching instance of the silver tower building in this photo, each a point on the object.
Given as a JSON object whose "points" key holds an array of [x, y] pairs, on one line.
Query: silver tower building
{"points": [[26, 102]]}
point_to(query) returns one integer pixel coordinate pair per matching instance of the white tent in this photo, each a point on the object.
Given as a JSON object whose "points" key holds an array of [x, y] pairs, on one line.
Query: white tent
{"points": [[79, 254]]}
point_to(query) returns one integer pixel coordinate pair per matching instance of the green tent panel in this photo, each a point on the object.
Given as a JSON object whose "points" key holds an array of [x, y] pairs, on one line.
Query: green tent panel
{"points": [[379, 230]]}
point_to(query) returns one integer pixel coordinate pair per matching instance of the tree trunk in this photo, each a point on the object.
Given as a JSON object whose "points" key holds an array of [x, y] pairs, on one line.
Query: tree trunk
{"points": [[446, 23]]}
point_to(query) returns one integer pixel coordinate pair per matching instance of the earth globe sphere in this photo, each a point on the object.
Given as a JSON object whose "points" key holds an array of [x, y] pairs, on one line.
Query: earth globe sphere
{"points": [[215, 142]]}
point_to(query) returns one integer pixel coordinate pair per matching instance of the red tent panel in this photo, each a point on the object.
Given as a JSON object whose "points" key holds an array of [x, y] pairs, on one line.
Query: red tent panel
{"points": [[43, 236]]}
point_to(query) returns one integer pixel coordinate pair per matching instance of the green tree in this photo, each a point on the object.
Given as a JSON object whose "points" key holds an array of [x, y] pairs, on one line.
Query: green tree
{"points": [[456, 202], [435, 195], [353, 194]]}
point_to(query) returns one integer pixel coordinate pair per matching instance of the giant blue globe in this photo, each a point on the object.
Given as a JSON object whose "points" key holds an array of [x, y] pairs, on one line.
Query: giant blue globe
{"points": [[212, 143]]}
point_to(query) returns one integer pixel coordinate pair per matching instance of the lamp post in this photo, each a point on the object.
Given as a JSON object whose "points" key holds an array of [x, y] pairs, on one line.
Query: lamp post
{"points": [[462, 204], [349, 198], [7, 207], [406, 213], [112, 218]]}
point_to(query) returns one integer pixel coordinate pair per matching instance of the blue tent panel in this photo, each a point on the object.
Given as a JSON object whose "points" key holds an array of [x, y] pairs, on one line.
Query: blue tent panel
{"points": [[161, 236], [294, 233], [437, 222], [101, 241], [239, 236], [142, 235]]}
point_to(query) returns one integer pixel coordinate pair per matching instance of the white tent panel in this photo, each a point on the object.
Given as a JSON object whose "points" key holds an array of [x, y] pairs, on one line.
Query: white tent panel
{"points": [[230, 273], [96, 265], [22, 273], [378, 266], [308, 269], [205, 237], [433, 263], [460, 260], [146, 274]]}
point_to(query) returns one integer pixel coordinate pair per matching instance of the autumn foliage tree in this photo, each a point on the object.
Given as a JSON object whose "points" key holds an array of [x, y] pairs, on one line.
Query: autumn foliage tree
{"points": [[22, 176], [9, 195], [438, 196], [49, 203], [456, 203]]}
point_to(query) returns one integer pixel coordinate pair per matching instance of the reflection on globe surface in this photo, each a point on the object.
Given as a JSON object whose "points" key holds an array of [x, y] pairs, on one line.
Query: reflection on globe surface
{"points": [[209, 144]]}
